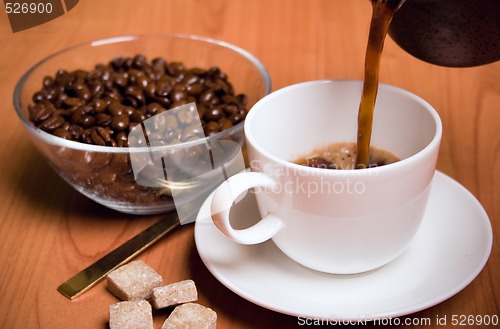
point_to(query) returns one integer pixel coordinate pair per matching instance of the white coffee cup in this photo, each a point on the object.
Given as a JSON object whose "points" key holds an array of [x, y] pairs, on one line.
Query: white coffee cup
{"points": [[335, 221]]}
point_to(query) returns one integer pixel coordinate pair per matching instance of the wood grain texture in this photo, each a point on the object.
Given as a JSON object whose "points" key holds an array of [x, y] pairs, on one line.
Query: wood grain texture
{"points": [[48, 231]]}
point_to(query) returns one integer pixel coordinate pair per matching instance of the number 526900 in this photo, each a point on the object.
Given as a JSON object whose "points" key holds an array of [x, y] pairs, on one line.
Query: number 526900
{"points": [[28, 8]]}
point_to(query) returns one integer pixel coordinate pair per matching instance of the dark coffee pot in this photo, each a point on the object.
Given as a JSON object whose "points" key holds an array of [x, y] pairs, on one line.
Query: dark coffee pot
{"points": [[453, 33]]}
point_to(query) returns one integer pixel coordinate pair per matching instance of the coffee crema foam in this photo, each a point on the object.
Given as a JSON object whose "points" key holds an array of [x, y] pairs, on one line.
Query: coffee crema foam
{"points": [[343, 156]]}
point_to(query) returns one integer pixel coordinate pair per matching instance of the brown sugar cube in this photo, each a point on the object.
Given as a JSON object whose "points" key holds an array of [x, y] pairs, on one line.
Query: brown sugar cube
{"points": [[175, 294], [133, 281], [191, 316], [131, 315]]}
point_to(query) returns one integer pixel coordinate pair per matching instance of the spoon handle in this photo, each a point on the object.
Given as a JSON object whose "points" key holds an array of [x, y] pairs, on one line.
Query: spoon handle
{"points": [[88, 277]]}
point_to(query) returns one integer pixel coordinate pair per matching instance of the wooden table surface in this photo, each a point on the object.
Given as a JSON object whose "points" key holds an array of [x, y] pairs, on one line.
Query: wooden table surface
{"points": [[48, 231]]}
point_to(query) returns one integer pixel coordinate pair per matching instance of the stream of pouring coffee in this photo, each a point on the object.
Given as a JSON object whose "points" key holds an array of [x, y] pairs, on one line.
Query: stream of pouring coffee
{"points": [[382, 13]]}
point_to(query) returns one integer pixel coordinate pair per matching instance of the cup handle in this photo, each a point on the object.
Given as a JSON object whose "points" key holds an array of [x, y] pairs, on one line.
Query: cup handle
{"points": [[225, 197]]}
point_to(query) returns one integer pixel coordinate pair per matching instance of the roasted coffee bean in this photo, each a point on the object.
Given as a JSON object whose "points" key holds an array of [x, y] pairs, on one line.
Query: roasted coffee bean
{"points": [[169, 123], [137, 116], [225, 86], [101, 136], [96, 88], [128, 110], [48, 81], [118, 63], [214, 114], [139, 61], [86, 136], [107, 176], [113, 94], [78, 89], [213, 72], [76, 132], [211, 128], [103, 119], [49, 105], [79, 75], [38, 97], [225, 123], [175, 68], [68, 102], [201, 110], [163, 101], [132, 125], [123, 186], [127, 64], [150, 90], [138, 78], [180, 103], [52, 94], [107, 74], [120, 79], [60, 132], [108, 86], [120, 122], [116, 108], [99, 105], [178, 95], [66, 125], [231, 109], [78, 113], [135, 95], [229, 99], [122, 139], [186, 117], [192, 132], [120, 163], [154, 108], [67, 113], [207, 96], [159, 64], [242, 99], [130, 101], [97, 160], [237, 118], [63, 77], [165, 86], [96, 138], [58, 103], [106, 134], [194, 89], [39, 112], [96, 75], [192, 77], [52, 123], [86, 121]]}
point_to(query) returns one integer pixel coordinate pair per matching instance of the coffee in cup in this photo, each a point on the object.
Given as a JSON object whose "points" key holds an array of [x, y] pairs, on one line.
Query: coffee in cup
{"points": [[342, 156]]}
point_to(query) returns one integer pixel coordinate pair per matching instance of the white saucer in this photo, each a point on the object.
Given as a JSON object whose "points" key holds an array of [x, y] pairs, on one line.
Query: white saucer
{"points": [[449, 251]]}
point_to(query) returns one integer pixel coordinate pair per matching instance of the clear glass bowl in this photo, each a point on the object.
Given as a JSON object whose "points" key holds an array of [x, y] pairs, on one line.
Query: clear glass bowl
{"points": [[104, 173]]}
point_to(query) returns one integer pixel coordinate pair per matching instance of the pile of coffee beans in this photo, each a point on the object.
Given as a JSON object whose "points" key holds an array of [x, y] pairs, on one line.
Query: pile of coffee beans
{"points": [[101, 106]]}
